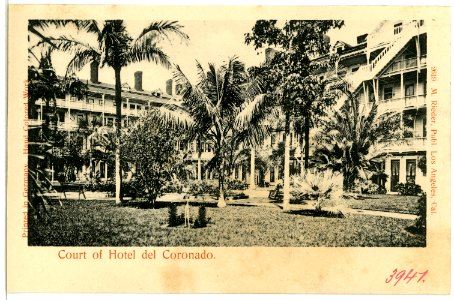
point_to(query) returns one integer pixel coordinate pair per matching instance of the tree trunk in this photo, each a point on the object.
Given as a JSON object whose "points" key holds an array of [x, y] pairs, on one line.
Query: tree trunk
{"points": [[301, 144], [118, 179], [199, 161], [252, 179], [286, 191], [221, 200], [221, 144], [306, 140]]}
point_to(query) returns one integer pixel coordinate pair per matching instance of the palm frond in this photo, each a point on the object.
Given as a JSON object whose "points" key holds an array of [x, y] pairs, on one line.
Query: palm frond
{"points": [[175, 116], [254, 109], [163, 29], [142, 50]]}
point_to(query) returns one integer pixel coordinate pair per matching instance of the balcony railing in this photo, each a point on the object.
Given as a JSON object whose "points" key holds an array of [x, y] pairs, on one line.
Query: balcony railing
{"points": [[410, 144], [401, 103], [407, 64], [93, 107]]}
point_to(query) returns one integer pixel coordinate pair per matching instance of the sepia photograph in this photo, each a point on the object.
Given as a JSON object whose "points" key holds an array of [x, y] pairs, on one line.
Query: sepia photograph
{"points": [[179, 143], [305, 141]]}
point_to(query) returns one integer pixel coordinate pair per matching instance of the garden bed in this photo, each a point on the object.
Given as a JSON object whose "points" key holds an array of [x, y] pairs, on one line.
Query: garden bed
{"points": [[102, 223]]}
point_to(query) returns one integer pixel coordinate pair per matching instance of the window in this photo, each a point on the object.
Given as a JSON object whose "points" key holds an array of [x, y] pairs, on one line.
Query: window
{"points": [[132, 106], [182, 146], [409, 90], [354, 69], [109, 121], [139, 107], [398, 28], [61, 116], [388, 93], [411, 170], [395, 170], [80, 118], [100, 102], [125, 105]]}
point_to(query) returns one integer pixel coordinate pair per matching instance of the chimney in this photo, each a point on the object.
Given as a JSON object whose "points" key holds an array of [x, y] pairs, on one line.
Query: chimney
{"points": [[138, 81], [361, 39], [94, 66], [169, 85]]}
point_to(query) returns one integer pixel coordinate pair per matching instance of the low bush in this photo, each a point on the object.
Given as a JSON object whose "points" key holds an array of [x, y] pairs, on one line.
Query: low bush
{"points": [[368, 187], [204, 187], [174, 219], [202, 220], [236, 185], [420, 224], [323, 187], [174, 185], [408, 189]]}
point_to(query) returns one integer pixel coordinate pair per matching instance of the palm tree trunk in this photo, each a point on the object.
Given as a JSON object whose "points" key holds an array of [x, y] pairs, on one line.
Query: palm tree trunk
{"points": [[221, 200], [286, 191], [118, 194], [199, 161], [252, 179]]}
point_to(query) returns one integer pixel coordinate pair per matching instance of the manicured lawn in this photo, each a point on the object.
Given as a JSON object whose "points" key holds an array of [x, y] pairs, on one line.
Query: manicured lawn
{"points": [[101, 223], [391, 203]]}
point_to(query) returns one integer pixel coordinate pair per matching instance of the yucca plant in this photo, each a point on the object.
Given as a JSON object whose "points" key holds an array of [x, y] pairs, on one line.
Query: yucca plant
{"points": [[323, 187]]}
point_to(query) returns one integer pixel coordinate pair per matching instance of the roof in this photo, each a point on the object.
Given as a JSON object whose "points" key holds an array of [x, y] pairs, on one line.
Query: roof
{"points": [[109, 89]]}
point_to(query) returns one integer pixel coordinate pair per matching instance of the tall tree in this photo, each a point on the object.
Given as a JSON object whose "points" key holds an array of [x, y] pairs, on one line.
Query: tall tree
{"points": [[44, 85], [349, 139], [290, 84], [211, 106], [117, 49]]}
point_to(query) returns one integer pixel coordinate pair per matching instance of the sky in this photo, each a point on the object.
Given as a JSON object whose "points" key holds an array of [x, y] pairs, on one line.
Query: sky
{"points": [[210, 41]]}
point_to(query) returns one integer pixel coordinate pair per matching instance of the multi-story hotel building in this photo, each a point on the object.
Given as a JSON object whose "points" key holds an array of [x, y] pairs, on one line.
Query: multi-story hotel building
{"points": [[386, 66]]}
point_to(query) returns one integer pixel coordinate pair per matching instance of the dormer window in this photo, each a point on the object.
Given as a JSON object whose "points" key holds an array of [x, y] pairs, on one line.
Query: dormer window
{"points": [[397, 28]]}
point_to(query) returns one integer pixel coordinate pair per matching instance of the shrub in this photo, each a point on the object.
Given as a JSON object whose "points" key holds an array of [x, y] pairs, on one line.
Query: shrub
{"points": [[203, 187], [174, 185], [420, 223], [408, 189], [174, 219], [236, 185], [323, 187], [367, 187], [201, 220]]}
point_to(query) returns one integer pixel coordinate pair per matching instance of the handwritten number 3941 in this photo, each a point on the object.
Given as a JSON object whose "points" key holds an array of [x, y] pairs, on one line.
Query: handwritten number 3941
{"points": [[407, 277]]}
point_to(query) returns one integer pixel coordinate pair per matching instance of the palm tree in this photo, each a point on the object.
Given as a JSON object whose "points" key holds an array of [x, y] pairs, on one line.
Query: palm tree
{"points": [[349, 138], [210, 107], [117, 49]]}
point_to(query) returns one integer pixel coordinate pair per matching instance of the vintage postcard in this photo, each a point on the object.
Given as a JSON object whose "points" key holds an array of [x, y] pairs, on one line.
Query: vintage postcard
{"points": [[250, 149]]}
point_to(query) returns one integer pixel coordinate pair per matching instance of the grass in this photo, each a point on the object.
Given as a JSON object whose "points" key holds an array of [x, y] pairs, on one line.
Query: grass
{"points": [[102, 223], [390, 203]]}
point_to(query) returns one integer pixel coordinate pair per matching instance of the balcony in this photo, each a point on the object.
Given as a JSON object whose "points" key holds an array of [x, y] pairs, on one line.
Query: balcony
{"points": [[407, 65], [82, 105], [396, 104], [402, 145]]}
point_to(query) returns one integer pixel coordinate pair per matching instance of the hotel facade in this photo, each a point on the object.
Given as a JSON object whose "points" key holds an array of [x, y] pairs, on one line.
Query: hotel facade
{"points": [[386, 66]]}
